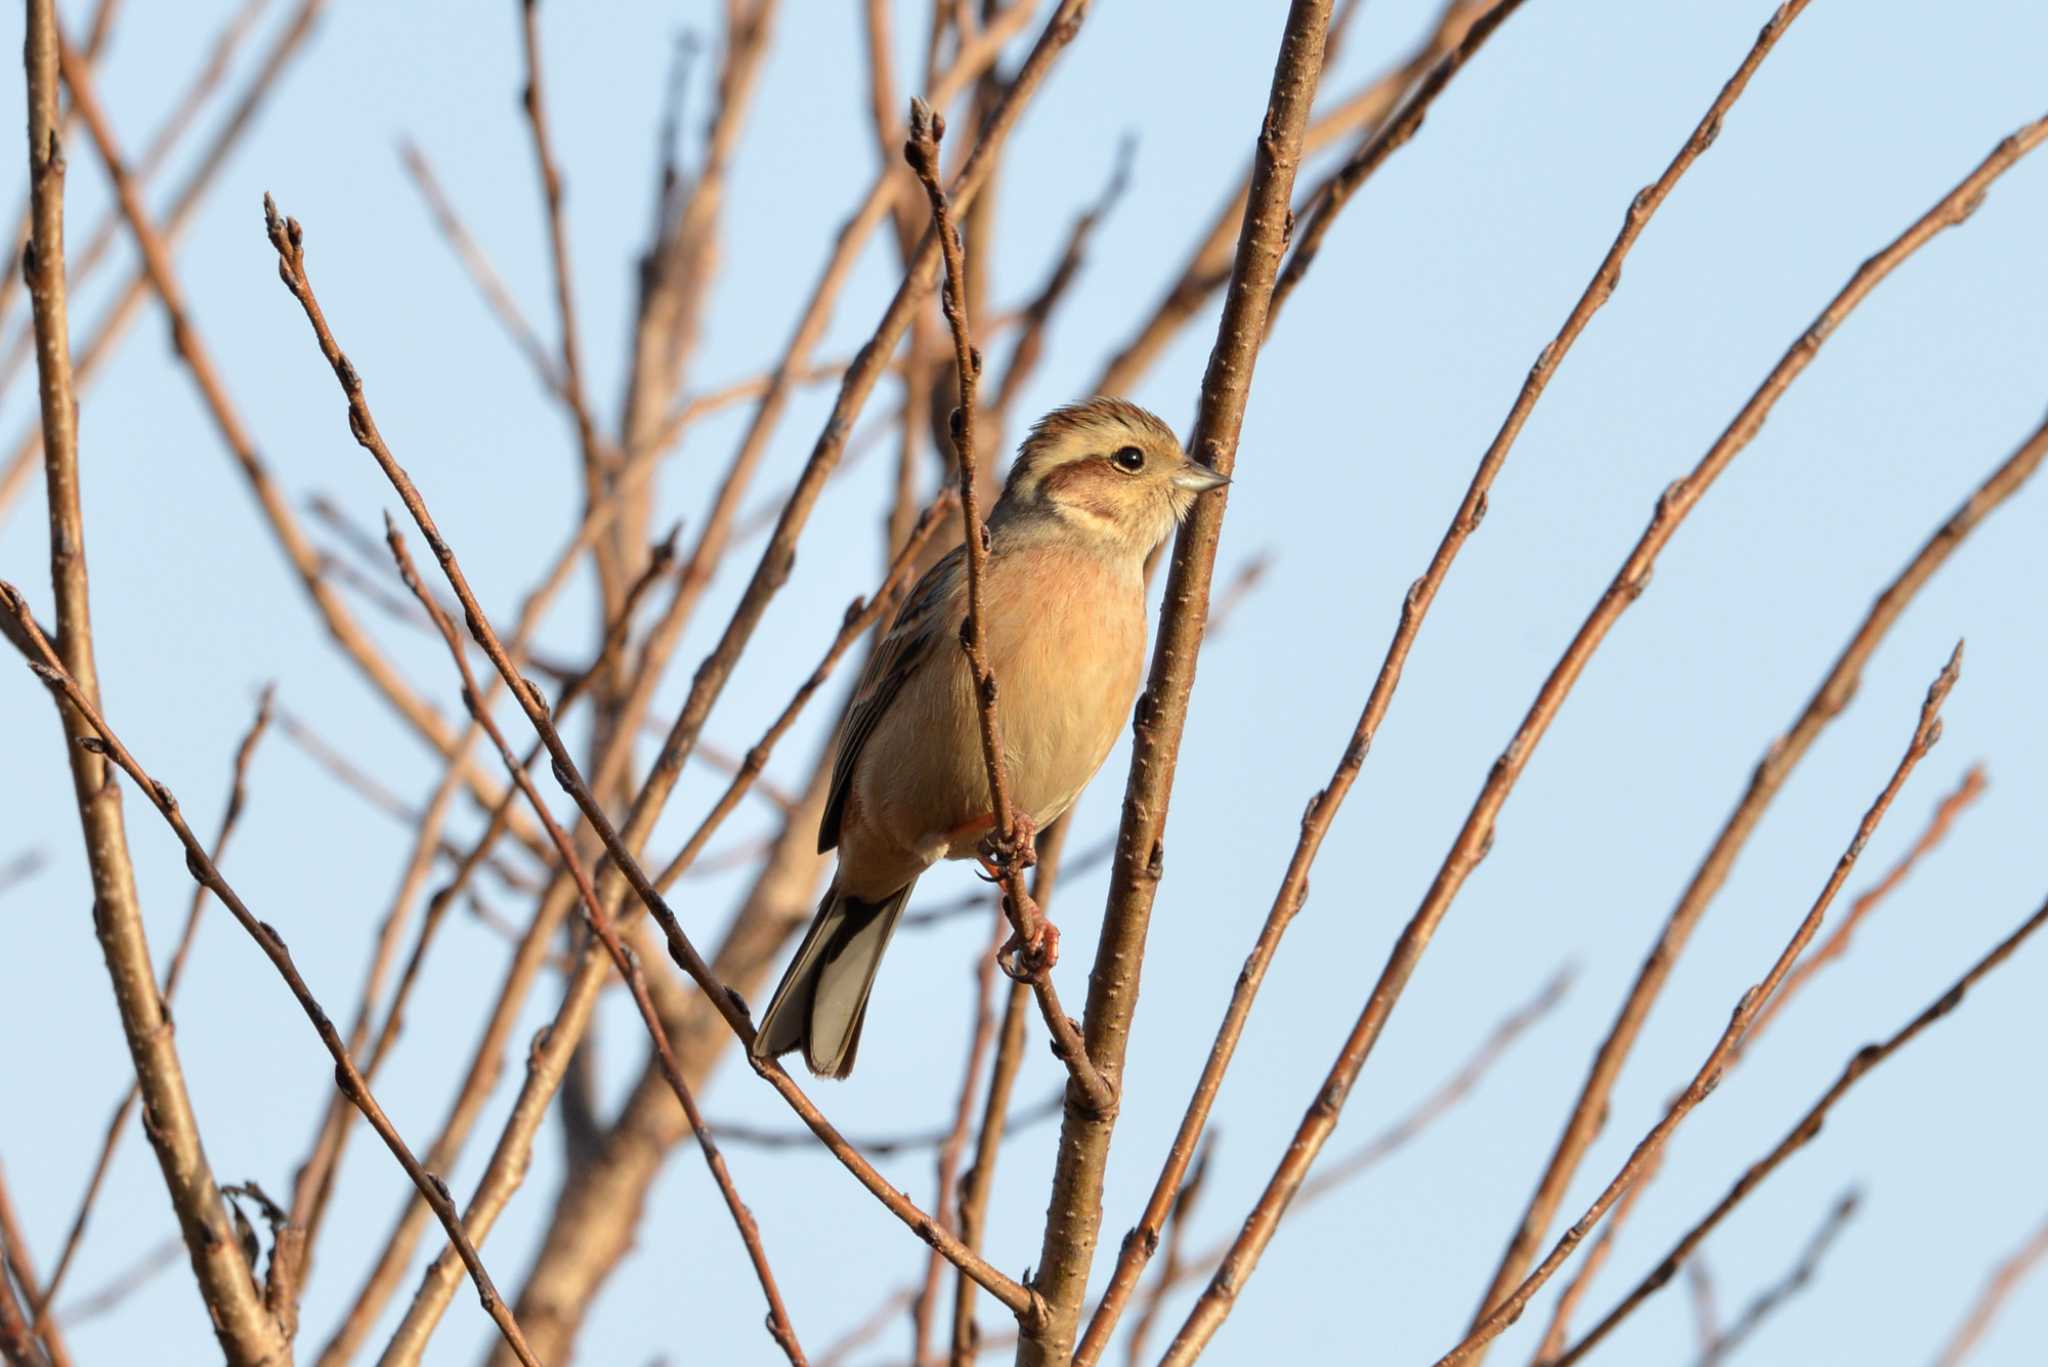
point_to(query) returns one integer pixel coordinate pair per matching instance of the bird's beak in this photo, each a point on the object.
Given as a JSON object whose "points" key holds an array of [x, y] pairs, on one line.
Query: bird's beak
{"points": [[1198, 479]]}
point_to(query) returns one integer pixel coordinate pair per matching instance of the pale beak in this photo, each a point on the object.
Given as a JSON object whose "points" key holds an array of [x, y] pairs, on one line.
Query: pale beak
{"points": [[1198, 479]]}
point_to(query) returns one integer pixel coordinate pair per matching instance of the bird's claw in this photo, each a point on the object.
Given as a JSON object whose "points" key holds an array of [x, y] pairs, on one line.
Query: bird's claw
{"points": [[1025, 959], [1019, 851]]}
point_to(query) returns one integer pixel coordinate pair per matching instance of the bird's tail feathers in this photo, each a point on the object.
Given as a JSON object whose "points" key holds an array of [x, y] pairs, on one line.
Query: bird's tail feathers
{"points": [[822, 1000]]}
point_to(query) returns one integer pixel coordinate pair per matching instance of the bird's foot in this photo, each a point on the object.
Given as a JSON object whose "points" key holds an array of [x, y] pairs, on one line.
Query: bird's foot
{"points": [[998, 854], [1025, 957]]}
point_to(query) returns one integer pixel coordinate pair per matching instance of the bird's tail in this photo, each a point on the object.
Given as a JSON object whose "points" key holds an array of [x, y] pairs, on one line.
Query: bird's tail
{"points": [[823, 997]]}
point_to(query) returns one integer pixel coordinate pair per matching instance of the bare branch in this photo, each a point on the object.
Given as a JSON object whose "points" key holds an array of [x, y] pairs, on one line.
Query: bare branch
{"points": [[243, 1327], [1627, 585], [1859, 1065], [1509, 1308], [288, 239], [2004, 1280], [1074, 1219], [103, 742], [237, 801], [1334, 191], [600, 925], [1034, 948], [1721, 1345]]}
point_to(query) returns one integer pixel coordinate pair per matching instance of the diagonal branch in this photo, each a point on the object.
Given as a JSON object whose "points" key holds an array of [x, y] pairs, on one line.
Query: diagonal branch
{"points": [[1827, 951], [1767, 1301], [1780, 758], [1331, 193], [1859, 1065], [1629, 582], [288, 239], [104, 743], [1506, 1311], [629, 968], [2004, 1280], [118, 1126]]}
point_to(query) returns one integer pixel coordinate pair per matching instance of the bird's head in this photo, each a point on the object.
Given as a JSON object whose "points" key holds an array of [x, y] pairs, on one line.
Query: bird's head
{"points": [[1107, 469]]}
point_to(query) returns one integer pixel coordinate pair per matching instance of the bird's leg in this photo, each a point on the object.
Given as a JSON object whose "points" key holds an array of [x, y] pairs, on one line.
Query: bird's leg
{"points": [[1034, 945]]}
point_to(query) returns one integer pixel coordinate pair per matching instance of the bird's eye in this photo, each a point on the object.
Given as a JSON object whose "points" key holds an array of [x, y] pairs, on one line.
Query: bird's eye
{"points": [[1128, 459]]}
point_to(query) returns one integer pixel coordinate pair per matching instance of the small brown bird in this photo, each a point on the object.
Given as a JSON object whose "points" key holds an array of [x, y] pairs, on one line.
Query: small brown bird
{"points": [[1095, 488]]}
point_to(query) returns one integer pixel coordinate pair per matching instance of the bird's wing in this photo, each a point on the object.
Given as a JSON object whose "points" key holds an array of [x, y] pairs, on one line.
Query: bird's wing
{"points": [[928, 616]]}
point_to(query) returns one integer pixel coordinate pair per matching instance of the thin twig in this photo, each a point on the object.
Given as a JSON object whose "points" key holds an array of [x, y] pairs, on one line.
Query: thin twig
{"points": [[1630, 580], [1175, 1256], [1036, 941], [315, 1183], [772, 1138], [1828, 951], [301, 733], [546, 1063], [2003, 1281], [1207, 269], [1403, 1131], [1767, 1301], [19, 1334], [997, 1121], [946, 1196], [1710, 1072], [128, 305], [288, 239], [497, 295], [860, 616], [868, 1329], [1859, 1065], [1782, 755], [185, 340], [1331, 194], [1706, 1317], [1038, 311], [21, 868], [237, 801], [595, 458], [105, 743], [1837, 942], [600, 924]]}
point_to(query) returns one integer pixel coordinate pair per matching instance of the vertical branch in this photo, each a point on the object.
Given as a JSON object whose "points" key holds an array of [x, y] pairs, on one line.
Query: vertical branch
{"points": [[980, 1180], [1036, 941], [945, 1194], [242, 1325], [1074, 1220], [532, 101]]}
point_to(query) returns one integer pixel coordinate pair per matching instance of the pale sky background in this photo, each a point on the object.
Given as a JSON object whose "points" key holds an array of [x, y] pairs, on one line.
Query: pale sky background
{"points": [[1387, 375]]}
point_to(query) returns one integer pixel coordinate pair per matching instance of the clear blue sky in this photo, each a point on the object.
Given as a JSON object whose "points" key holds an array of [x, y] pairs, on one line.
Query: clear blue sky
{"points": [[1387, 376]]}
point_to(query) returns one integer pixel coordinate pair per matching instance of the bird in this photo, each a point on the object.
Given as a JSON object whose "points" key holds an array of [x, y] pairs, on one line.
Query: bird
{"points": [[1096, 487]]}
